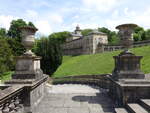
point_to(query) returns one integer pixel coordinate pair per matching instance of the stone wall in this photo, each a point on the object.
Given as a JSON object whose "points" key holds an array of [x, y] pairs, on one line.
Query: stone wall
{"points": [[100, 80], [84, 45], [103, 48], [89, 45], [74, 47]]}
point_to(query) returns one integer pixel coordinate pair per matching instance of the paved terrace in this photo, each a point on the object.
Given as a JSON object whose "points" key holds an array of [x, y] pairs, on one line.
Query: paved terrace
{"points": [[69, 98]]}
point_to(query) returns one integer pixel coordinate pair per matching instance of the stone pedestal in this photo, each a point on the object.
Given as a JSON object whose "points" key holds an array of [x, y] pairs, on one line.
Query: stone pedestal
{"points": [[127, 65], [129, 91], [27, 67], [29, 74]]}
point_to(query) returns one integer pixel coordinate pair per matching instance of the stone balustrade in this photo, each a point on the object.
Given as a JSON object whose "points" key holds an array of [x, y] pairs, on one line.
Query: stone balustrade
{"points": [[11, 99], [119, 47]]}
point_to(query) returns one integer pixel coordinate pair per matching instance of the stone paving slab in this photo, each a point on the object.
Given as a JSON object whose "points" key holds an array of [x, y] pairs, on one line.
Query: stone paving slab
{"points": [[71, 98], [137, 108]]}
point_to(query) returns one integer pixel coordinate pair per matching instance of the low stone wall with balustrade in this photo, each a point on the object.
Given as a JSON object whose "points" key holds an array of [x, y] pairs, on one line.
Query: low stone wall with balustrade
{"points": [[103, 48], [100, 80]]}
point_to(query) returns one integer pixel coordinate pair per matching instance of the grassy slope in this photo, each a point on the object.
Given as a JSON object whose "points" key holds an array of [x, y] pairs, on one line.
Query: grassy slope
{"points": [[98, 63]]}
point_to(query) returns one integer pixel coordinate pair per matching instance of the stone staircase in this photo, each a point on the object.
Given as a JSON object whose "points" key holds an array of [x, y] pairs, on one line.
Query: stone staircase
{"points": [[143, 106]]}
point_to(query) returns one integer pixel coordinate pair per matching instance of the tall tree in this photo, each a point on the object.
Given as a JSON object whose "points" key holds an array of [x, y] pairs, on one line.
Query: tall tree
{"points": [[50, 50], [86, 31], [3, 32], [31, 25], [14, 30], [112, 35], [6, 57], [139, 34], [60, 36], [147, 34]]}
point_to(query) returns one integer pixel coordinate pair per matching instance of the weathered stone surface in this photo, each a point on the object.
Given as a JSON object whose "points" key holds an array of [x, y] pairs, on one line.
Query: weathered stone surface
{"points": [[127, 65], [145, 103], [75, 99], [136, 108], [27, 67], [120, 110]]}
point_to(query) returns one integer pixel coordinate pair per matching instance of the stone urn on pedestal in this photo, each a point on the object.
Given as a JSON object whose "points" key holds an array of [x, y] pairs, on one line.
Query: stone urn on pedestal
{"points": [[28, 64], [28, 73], [127, 64]]}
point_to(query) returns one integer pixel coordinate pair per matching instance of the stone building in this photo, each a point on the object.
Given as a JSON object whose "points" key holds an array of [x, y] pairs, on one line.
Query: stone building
{"points": [[77, 44]]}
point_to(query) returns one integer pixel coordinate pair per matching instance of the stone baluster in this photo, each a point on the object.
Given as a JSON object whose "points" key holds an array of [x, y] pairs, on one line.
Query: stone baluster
{"points": [[6, 108], [17, 103], [11, 105]]}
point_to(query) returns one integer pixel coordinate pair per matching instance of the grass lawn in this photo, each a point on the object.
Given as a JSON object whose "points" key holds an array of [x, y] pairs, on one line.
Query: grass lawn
{"points": [[98, 63], [6, 76]]}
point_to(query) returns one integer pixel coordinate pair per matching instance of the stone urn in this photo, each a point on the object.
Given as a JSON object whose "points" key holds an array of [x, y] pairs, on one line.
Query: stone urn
{"points": [[28, 39], [125, 34], [127, 64]]}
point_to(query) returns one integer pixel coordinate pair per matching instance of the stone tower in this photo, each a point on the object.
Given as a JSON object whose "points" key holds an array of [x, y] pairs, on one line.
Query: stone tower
{"points": [[75, 35], [78, 30]]}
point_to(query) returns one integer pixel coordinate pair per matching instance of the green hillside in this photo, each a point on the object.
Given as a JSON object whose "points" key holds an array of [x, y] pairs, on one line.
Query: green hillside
{"points": [[98, 63]]}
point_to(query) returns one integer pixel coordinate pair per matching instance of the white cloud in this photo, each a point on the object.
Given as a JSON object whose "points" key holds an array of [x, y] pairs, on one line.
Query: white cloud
{"points": [[142, 19], [85, 25], [6, 20], [44, 27], [100, 5], [55, 18], [127, 12], [31, 14]]}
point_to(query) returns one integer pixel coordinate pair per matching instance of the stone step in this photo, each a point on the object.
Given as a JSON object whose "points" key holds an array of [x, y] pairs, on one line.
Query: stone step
{"points": [[145, 103], [136, 108], [121, 110]]}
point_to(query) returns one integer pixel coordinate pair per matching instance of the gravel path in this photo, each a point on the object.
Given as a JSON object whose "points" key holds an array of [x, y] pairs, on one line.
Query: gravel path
{"points": [[75, 98]]}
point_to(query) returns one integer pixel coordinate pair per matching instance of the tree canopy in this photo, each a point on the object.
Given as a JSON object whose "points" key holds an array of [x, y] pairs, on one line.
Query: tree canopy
{"points": [[3, 32], [6, 56]]}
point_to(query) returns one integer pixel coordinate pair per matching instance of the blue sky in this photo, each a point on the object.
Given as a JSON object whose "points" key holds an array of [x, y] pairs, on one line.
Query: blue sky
{"points": [[61, 15]]}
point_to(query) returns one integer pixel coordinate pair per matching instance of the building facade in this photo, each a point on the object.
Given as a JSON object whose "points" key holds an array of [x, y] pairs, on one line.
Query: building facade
{"points": [[77, 44]]}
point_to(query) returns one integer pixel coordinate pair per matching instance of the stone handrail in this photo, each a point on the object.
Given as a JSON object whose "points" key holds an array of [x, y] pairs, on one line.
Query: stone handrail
{"points": [[100, 80], [11, 99]]}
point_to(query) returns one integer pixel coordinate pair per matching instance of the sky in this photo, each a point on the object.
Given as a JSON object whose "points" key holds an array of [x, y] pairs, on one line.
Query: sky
{"points": [[64, 15]]}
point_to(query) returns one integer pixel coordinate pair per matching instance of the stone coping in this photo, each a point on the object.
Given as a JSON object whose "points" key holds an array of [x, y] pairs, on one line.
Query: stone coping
{"points": [[134, 83], [137, 81], [27, 82], [131, 82], [83, 76], [9, 92]]}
